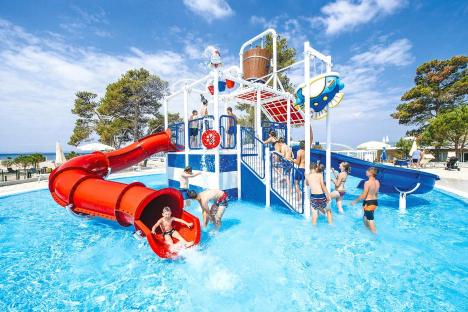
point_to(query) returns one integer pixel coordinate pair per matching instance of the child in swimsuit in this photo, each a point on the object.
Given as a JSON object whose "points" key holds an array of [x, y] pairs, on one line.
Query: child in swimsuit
{"points": [[370, 194], [339, 182], [319, 195], [168, 231], [216, 212]]}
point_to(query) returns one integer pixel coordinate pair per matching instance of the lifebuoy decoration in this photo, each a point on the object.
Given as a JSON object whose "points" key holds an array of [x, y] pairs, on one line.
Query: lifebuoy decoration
{"points": [[211, 139]]}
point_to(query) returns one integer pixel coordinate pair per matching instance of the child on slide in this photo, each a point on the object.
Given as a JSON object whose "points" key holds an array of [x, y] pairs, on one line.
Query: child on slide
{"points": [[168, 231], [339, 182]]}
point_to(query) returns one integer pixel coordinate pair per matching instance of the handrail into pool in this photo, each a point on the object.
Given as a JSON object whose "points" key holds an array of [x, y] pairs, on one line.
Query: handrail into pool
{"points": [[253, 152]]}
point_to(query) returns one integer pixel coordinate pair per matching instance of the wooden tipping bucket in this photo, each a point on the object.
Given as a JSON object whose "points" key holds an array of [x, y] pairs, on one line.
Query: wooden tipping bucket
{"points": [[256, 64]]}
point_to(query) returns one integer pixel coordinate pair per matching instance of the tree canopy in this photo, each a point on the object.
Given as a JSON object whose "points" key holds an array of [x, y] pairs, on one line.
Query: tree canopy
{"points": [[448, 128], [128, 111], [440, 86]]}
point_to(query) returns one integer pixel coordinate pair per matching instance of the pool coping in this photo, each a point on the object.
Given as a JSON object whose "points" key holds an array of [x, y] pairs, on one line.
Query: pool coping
{"points": [[444, 189], [43, 185]]}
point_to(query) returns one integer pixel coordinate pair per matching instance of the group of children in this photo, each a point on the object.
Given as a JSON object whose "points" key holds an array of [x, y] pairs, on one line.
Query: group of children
{"points": [[320, 198], [213, 212]]}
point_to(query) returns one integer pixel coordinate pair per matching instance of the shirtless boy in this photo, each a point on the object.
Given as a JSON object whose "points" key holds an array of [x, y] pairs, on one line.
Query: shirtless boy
{"points": [[300, 171], [168, 231], [184, 182], [369, 194], [319, 195], [215, 213]]}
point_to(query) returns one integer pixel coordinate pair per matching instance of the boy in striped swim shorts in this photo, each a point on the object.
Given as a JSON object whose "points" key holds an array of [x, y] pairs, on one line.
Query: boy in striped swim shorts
{"points": [[319, 195]]}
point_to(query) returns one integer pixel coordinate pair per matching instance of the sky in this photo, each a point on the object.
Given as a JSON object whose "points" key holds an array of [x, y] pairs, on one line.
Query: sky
{"points": [[49, 50]]}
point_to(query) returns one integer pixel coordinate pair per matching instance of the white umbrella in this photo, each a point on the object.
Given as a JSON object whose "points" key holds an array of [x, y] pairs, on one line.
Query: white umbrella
{"points": [[373, 145], [59, 155], [413, 148], [92, 147]]}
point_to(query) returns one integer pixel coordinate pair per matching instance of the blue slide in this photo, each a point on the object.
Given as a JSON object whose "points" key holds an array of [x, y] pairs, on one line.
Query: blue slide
{"points": [[392, 179]]}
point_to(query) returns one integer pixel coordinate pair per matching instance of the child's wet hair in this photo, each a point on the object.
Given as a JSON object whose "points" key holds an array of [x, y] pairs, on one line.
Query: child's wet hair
{"points": [[317, 167], [272, 133], [302, 144], [373, 171], [192, 194], [346, 166], [188, 169], [166, 209]]}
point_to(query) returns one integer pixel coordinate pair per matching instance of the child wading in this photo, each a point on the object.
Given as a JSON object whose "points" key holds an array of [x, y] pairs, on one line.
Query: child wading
{"points": [[168, 231], [370, 194], [339, 182], [319, 195]]}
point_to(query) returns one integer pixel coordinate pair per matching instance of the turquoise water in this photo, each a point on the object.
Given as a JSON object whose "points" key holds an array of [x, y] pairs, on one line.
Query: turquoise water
{"points": [[262, 260]]}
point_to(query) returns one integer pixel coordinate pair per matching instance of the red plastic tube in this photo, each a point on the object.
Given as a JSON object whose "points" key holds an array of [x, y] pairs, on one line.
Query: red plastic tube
{"points": [[79, 185]]}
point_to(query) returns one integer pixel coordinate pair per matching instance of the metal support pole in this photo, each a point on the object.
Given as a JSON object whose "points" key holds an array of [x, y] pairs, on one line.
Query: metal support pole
{"points": [[258, 115], [307, 127], [216, 123], [328, 152], [239, 169], [288, 122], [186, 128], [166, 119], [266, 152], [275, 65]]}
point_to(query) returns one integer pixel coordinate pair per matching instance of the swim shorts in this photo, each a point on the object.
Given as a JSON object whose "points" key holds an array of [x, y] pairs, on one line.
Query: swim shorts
{"points": [[319, 202]]}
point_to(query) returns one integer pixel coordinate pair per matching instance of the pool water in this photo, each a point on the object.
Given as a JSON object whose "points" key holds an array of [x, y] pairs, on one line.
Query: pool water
{"points": [[263, 259]]}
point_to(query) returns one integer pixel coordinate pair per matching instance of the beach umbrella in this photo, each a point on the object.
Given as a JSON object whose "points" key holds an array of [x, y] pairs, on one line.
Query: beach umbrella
{"points": [[92, 147], [372, 145], [59, 155], [413, 148]]}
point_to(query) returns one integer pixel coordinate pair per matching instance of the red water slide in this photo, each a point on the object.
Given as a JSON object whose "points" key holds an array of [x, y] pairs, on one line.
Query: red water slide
{"points": [[79, 185]]}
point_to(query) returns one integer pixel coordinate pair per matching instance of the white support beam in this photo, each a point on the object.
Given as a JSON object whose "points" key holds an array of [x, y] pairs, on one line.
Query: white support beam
{"points": [[258, 115], [288, 122], [186, 133], [329, 137], [307, 127], [216, 122], [239, 169], [266, 150], [275, 65]]}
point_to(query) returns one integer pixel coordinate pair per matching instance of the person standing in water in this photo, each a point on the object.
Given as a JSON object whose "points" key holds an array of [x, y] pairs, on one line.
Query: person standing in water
{"points": [[216, 212], [339, 182], [369, 194], [319, 195], [299, 173]]}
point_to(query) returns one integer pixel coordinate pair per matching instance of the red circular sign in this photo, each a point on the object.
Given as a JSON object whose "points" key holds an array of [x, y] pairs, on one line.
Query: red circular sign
{"points": [[211, 138]]}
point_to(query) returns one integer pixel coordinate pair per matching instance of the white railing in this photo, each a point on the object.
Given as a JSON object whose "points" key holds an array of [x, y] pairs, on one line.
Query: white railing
{"points": [[360, 154]]}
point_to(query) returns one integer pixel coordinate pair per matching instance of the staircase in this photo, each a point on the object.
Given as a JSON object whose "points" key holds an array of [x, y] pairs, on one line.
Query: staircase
{"points": [[267, 177]]}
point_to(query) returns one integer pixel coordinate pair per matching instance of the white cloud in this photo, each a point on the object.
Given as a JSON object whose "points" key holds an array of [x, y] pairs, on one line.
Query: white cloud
{"points": [[210, 9], [345, 15], [86, 22], [398, 53], [40, 75]]}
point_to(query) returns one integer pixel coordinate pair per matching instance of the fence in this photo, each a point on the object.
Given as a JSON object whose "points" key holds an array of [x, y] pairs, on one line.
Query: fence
{"points": [[196, 129], [361, 154], [279, 127], [178, 135], [228, 131], [287, 182], [253, 152]]}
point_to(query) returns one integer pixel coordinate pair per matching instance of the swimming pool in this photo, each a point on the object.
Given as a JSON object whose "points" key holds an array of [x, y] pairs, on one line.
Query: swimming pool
{"points": [[264, 259]]}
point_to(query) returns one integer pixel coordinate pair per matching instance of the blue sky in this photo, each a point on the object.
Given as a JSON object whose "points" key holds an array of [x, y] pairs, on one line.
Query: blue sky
{"points": [[51, 49]]}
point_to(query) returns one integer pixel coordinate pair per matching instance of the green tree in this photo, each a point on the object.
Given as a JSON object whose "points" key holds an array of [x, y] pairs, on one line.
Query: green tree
{"points": [[157, 124], [448, 128], [404, 147], [128, 111], [36, 158], [8, 162], [440, 86], [24, 161], [71, 155]]}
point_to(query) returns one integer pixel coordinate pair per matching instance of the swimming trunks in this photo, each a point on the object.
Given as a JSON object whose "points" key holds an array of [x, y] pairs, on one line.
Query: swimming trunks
{"points": [[299, 174], [415, 160], [369, 208], [193, 131], [342, 193], [170, 232], [223, 200], [319, 202], [232, 130]]}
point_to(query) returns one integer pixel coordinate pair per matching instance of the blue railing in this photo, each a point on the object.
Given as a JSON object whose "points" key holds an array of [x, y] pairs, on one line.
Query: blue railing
{"points": [[279, 127], [178, 135], [253, 152], [228, 131], [196, 129], [287, 182]]}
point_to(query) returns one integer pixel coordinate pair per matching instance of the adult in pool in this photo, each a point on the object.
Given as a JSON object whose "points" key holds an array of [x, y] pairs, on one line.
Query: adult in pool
{"points": [[216, 211], [369, 194]]}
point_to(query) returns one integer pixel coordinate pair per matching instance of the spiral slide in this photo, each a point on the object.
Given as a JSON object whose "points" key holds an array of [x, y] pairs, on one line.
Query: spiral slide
{"points": [[79, 186]]}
